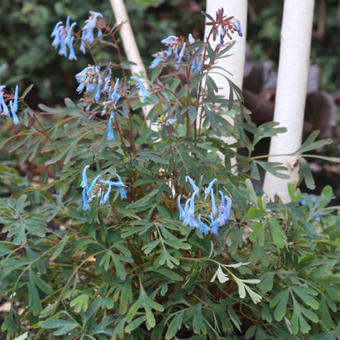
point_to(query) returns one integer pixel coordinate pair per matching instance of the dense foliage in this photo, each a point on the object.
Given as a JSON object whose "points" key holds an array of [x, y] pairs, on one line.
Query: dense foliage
{"points": [[133, 227]]}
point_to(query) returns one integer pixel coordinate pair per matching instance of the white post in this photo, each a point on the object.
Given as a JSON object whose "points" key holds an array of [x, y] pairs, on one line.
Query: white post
{"points": [[296, 33], [235, 62]]}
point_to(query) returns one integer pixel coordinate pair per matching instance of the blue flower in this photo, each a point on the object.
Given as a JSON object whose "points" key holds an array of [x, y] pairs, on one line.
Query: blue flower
{"points": [[181, 211], [181, 54], [145, 93], [303, 202], [237, 26], [107, 195], [85, 201], [72, 55], [191, 39], [122, 193], [3, 106], [84, 183], [63, 37], [156, 62], [192, 183], [209, 188], [169, 40], [87, 36], [110, 135]]}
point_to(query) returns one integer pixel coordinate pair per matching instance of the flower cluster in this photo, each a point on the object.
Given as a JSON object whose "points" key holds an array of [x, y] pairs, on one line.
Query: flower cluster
{"points": [[95, 84], [97, 189], [63, 38], [226, 26], [87, 35], [175, 52], [219, 214], [63, 34], [13, 105]]}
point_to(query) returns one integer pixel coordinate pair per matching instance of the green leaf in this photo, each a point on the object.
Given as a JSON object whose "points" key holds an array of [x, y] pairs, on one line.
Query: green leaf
{"points": [[63, 326], [275, 168], [306, 174], [278, 235], [168, 273], [146, 303], [175, 325], [60, 247], [280, 301], [258, 233], [33, 295], [305, 294], [80, 303], [134, 324], [255, 213], [309, 143], [266, 284]]}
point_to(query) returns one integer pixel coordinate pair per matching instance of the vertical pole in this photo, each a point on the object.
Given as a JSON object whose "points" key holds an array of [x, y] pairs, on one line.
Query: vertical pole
{"points": [[296, 33]]}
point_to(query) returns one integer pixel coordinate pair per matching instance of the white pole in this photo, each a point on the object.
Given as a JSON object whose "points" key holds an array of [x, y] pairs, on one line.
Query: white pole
{"points": [[235, 62], [296, 33]]}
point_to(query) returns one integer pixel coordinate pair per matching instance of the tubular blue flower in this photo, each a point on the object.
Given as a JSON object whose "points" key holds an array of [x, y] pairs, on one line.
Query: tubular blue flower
{"points": [[107, 195], [237, 26], [180, 209], [145, 93], [14, 114], [87, 36], [110, 134], [122, 193], [4, 107], [209, 188], [156, 62], [115, 95], [85, 201], [84, 183], [98, 92], [169, 40], [213, 203], [115, 184], [72, 55], [191, 39], [192, 183], [181, 54], [227, 209]]}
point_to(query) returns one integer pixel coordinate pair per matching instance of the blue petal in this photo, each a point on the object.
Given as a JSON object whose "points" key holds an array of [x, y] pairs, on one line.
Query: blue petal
{"points": [[209, 188], [192, 183], [84, 177], [170, 39]]}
